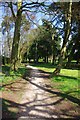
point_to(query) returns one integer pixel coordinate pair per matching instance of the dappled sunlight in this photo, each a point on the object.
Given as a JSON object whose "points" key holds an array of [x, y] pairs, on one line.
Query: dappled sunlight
{"points": [[36, 97], [38, 108], [42, 102], [40, 59]]}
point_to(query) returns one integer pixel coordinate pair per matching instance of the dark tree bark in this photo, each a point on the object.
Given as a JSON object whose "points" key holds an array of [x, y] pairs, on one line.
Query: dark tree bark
{"points": [[66, 37], [78, 57], [53, 49], [22, 6], [16, 39], [75, 47]]}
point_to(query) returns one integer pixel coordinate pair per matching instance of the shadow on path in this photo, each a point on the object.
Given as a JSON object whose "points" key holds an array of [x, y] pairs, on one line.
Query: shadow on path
{"points": [[37, 103], [41, 74], [7, 113], [69, 97]]}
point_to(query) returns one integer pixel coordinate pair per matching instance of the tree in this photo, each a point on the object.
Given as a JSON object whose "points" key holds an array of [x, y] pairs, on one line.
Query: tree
{"points": [[21, 6], [75, 51], [41, 45], [16, 38], [7, 24], [25, 26], [67, 26]]}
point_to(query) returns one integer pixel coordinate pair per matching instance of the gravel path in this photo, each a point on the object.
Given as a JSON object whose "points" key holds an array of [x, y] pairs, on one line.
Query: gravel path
{"points": [[38, 101]]}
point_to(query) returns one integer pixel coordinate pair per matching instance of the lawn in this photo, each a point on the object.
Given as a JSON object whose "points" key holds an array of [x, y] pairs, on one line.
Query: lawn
{"points": [[67, 82], [7, 76]]}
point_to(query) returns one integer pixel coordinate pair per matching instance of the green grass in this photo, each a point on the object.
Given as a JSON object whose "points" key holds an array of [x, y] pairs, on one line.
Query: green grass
{"points": [[50, 68], [10, 110], [67, 82], [70, 72], [45, 67], [7, 76]]}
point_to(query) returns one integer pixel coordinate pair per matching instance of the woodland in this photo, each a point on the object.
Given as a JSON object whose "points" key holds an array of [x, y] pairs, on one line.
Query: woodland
{"points": [[44, 34]]}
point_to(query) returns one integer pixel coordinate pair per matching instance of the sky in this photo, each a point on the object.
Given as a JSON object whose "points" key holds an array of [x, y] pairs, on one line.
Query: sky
{"points": [[39, 16], [38, 20]]}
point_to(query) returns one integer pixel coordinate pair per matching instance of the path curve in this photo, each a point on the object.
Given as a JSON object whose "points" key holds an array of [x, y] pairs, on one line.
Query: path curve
{"points": [[37, 102]]}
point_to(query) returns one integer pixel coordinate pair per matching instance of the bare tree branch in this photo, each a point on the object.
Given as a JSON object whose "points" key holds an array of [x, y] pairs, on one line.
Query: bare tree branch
{"points": [[11, 7]]}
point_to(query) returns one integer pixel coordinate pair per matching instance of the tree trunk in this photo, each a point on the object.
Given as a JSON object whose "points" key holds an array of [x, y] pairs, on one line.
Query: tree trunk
{"points": [[66, 37], [76, 46], [78, 57], [20, 58], [53, 49], [53, 60], [16, 39], [47, 58], [8, 39], [71, 55], [36, 54]]}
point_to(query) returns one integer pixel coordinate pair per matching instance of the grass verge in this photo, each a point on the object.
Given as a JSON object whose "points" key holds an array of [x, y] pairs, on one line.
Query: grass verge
{"points": [[8, 76], [67, 82]]}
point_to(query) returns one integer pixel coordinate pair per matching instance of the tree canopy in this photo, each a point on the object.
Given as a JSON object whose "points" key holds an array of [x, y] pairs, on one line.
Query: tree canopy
{"points": [[42, 30]]}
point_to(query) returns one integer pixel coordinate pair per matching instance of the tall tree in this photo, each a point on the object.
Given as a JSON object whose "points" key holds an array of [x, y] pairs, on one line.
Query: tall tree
{"points": [[22, 6], [67, 27], [7, 25], [76, 36], [16, 38]]}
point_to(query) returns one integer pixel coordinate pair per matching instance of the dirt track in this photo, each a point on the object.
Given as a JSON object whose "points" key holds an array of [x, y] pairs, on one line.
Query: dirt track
{"points": [[38, 99]]}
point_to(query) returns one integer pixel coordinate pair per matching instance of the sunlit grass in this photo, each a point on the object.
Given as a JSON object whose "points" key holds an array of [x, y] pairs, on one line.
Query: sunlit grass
{"points": [[45, 67], [68, 81], [50, 68], [8, 76], [70, 72], [67, 85]]}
